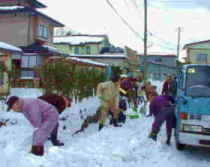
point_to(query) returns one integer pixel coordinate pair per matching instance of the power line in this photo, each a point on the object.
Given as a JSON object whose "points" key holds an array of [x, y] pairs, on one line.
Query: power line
{"points": [[132, 29], [161, 39], [124, 21], [149, 32]]}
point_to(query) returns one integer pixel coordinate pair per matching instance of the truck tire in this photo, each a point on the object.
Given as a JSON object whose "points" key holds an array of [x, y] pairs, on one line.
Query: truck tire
{"points": [[180, 146]]}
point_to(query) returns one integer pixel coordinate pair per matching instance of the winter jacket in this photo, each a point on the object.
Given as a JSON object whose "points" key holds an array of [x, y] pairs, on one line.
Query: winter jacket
{"points": [[56, 100], [43, 117], [108, 92], [158, 103]]}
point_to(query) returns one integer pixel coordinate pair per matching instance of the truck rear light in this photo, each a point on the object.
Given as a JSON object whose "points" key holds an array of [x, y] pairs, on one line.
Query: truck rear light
{"points": [[183, 116]]}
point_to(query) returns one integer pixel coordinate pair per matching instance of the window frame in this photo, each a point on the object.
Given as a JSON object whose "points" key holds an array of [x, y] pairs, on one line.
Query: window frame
{"points": [[202, 58], [43, 31]]}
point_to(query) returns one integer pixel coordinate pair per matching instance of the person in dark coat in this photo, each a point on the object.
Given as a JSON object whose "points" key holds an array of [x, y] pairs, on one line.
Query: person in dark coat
{"points": [[60, 102], [174, 87], [167, 86], [162, 108]]}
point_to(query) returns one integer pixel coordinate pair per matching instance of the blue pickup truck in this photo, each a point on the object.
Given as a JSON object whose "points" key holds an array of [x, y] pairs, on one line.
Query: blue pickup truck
{"points": [[193, 106]]}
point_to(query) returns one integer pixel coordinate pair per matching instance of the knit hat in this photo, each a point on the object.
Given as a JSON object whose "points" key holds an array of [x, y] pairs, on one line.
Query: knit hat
{"points": [[11, 101]]}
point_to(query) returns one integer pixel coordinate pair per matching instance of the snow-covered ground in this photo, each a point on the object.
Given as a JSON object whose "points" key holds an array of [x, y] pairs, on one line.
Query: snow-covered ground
{"points": [[111, 147]]}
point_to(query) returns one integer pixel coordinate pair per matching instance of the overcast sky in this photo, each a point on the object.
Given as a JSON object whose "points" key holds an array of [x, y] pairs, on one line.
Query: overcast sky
{"points": [[164, 16]]}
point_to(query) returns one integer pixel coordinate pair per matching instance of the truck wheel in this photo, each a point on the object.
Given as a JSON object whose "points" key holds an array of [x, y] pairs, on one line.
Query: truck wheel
{"points": [[180, 146]]}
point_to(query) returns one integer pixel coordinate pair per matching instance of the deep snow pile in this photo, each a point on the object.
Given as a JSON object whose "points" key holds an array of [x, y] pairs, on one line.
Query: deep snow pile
{"points": [[111, 147]]}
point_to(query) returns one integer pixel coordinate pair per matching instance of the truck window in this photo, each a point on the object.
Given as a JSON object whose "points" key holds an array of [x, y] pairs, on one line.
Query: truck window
{"points": [[198, 81]]}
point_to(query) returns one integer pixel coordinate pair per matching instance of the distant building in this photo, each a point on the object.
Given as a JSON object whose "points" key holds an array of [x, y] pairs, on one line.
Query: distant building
{"points": [[159, 65], [25, 27], [84, 44], [198, 52]]}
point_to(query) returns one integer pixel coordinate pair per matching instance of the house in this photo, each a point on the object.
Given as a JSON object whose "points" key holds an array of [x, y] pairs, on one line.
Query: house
{"points": [[198, 52], [91, 47], [6, 53], [159, 64], [82, 44], [26, 27]]}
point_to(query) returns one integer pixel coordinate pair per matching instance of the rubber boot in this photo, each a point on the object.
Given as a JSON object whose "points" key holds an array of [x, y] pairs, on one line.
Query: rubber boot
{"points": [[100, 126], [168, 141], [54, 138], [111, 121], [115, 123], [37, 150]]}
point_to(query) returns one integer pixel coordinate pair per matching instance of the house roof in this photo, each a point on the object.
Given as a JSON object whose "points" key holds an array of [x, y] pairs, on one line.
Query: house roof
{"points": [[7, 47], [21, 9], [162, 64], [34, 3], [195, 43], [105, 56], [37, 4], [79, 39], [87, 61], [159, 54], [80, 61], [38, 48]]}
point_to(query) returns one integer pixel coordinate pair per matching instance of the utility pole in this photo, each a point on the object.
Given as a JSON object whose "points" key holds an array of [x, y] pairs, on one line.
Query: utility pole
{"points": [[145, 40], [178, 42]]}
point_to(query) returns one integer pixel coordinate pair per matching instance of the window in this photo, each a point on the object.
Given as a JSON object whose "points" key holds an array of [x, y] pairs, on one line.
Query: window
{"points": [[25, 73], [201, 58], [43, 31], [198, 81], [180, 80], [1, 74], [28, 61], [88, 50], [76, 50]]}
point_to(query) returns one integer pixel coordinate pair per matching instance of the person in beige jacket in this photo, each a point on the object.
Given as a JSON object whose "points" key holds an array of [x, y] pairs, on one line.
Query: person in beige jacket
{"points": [[108, 93]]}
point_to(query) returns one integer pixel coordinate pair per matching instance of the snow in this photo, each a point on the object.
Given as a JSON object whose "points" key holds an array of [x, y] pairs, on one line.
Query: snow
{"points": [[11, 7], [9, 47], [87, 61], [77, 40], [124, 146], [51, 48], [101, 55]]}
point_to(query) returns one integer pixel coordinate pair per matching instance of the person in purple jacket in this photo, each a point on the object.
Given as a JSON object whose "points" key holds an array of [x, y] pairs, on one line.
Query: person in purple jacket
{"points": [[42, 115], [162, 108]]}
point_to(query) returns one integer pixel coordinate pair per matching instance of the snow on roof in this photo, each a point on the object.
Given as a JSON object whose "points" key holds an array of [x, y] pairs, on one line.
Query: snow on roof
{"points": [[86, 61], [11, 7], [6, 46], [76, 40], [51, 48], [158, 54], [100, 55]]}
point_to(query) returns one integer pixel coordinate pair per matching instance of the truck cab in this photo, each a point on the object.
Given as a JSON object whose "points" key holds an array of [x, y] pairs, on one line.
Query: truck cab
{"points": [[193, 106]]}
